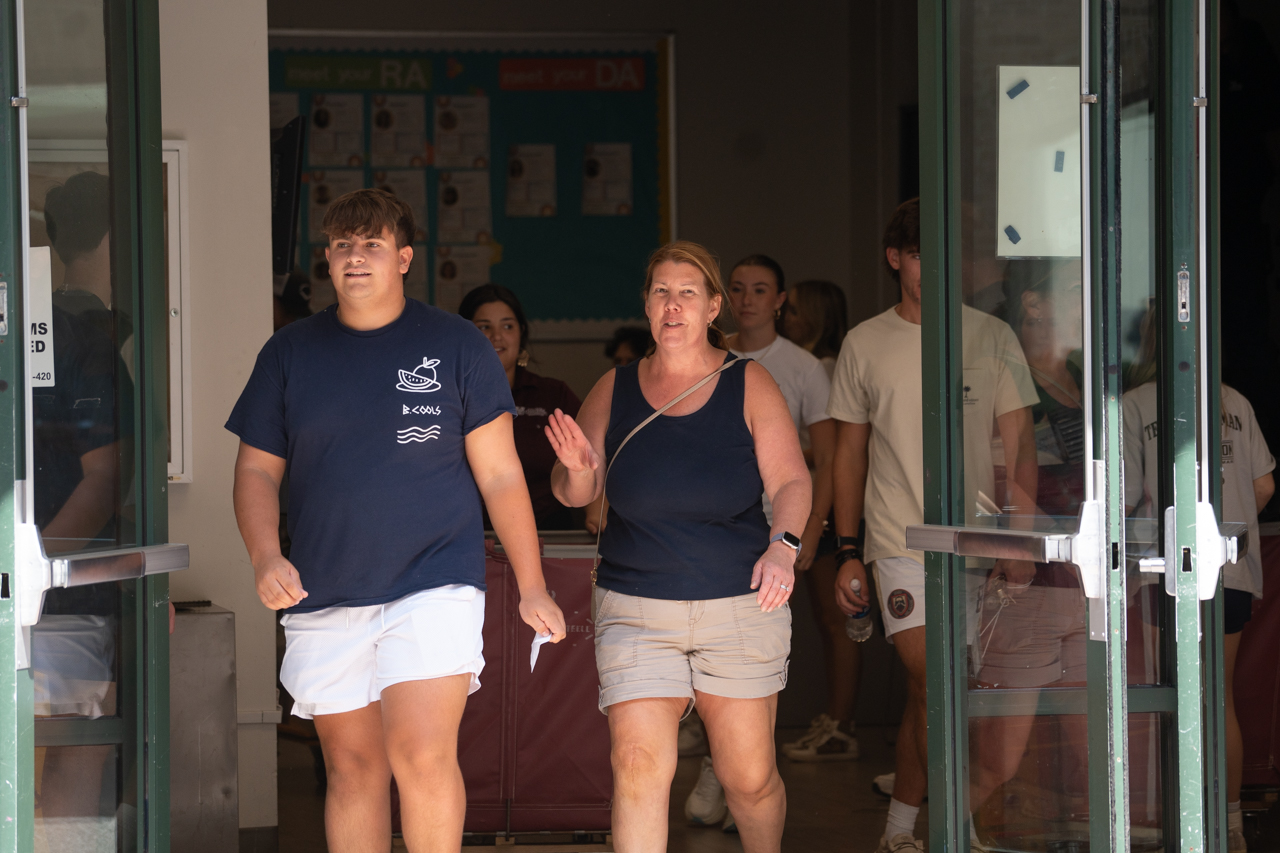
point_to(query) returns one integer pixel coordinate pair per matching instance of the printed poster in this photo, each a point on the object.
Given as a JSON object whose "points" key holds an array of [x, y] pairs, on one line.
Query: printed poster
{"points": [[323, 187], [283, 109], [531, 180], [398, 131], [415, 281], [337, 130], [465, 214], [606, 179], [462, 132], [410, 186], [458, 270], [40, 316]]}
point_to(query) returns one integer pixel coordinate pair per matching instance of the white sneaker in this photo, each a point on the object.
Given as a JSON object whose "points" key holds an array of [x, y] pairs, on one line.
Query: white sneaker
{"points": [[883, 785], [1235, 841], [816, 727], [706, 806], [827, 740], [900, 843], [691, 738]]}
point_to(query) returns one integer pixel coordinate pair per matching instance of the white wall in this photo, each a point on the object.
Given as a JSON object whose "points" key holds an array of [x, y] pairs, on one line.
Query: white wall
{"points": [[214, 95]]}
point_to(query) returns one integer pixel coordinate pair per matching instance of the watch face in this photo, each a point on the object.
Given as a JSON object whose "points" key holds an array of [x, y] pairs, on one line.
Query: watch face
{"points": [[792, 540]]}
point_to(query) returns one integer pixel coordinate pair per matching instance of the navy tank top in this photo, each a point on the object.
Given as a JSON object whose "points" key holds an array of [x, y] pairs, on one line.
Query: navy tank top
{"points": [[685, 517]]}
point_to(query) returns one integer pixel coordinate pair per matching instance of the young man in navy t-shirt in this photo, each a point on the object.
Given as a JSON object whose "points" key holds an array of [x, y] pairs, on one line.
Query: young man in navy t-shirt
{"points": [[394, 420]]}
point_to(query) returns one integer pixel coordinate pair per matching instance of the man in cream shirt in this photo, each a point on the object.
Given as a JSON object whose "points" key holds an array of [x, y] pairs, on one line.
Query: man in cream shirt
{"points": [[879, 475]]}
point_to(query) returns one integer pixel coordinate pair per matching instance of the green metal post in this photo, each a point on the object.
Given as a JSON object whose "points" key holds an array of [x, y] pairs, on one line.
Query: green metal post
{"points": [[947, 684], [1108, 682], [1177, 281], [17, 737]]}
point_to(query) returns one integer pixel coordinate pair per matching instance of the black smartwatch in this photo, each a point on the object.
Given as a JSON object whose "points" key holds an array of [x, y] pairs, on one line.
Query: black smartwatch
{"points": [[789, 539]]}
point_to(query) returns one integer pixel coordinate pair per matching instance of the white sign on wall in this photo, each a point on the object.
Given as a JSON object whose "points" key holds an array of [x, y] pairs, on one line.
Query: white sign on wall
{"points": [[1039, 197], [40, 317]]}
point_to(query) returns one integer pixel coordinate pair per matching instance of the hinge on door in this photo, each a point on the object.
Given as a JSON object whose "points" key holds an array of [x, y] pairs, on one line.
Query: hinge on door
{"points": [[1215, 547], [15, 101]]}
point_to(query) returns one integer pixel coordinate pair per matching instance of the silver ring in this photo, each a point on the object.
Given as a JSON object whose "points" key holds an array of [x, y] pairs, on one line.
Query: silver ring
{"points": [[784, 586]]}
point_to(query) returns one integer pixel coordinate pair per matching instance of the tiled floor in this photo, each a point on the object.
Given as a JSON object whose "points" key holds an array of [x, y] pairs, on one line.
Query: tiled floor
{"points": [[830, 806]]}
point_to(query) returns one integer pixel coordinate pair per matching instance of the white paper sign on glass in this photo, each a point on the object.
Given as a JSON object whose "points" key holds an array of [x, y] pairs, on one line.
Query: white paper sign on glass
{"points": [[40, 317], [1039, 198]]}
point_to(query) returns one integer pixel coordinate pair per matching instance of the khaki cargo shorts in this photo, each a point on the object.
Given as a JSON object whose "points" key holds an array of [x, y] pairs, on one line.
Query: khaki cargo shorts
{"points": [[652, 647]]}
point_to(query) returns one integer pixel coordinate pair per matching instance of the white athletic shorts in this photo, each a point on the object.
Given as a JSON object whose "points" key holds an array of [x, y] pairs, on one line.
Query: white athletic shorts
{"points": [[341, 658], [900, 587]]}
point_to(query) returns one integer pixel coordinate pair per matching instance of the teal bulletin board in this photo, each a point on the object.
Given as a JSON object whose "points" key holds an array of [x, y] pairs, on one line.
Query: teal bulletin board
{"points": [[547, 171]]}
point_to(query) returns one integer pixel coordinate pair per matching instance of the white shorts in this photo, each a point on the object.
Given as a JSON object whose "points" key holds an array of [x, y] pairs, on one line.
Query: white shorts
{"points": [[341, 658], [73, 664], [900, 587]]}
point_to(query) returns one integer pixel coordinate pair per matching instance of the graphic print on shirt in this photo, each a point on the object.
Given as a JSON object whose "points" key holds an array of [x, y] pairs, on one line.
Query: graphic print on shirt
{"points": [[420, 380], [416, 433]]}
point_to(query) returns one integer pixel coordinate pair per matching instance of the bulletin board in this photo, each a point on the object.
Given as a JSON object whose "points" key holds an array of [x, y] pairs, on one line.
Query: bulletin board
{"points": [[540, 163]]}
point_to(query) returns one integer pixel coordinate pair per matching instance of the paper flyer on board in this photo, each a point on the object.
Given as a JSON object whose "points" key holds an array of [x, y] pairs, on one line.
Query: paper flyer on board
{"points": [[465, 214], [398, 131], [462, 132], [606, 179], [337, 130], [323, 187], [410, 186], [531, 180], [458, 269]]}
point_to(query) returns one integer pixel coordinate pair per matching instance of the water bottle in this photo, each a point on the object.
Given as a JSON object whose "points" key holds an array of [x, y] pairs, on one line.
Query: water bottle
{"points": [[858, 626]]}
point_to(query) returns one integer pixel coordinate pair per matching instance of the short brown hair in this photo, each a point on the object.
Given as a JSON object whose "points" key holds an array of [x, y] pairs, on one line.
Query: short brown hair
{"points": [[902, 232], [687, 252], [366, 213]]}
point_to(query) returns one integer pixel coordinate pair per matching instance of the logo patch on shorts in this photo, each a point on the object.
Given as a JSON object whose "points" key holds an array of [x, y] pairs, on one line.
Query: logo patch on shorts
{"points": [[901, 603]]}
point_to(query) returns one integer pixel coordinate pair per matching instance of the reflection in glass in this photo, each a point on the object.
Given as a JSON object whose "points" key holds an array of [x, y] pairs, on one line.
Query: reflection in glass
{"points": [[1023, 414], [77, 796], [82, 399]]}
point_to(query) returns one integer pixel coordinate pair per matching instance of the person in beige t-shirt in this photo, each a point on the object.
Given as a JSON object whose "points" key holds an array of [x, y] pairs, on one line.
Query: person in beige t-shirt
{"points": [[876, 399]]}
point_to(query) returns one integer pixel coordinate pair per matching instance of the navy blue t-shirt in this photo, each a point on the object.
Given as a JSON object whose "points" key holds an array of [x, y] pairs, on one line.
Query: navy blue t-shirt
{"points": [[382, 502]]}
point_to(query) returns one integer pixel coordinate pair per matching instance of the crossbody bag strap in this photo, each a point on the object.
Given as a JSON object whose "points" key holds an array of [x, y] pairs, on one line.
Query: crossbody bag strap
{"points": [[644, 423]]}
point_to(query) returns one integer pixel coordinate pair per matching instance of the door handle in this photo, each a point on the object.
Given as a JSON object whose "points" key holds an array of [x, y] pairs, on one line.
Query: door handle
{"points": [[1216, 545], [1084, 547], [36, 573]]}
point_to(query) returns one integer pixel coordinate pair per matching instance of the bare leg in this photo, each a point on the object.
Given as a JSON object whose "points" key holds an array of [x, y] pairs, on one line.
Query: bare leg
{"points": [[71, 783], [742, 751], [421, 721], [912, 781], [357, 806], [1235, 743], [998, 745], [843, 656], [642, 734]]}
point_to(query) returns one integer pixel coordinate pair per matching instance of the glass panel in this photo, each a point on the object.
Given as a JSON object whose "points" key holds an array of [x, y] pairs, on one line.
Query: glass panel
{"points": [[1148, 609], [1019, 144], [78, 799], [82, 329]]}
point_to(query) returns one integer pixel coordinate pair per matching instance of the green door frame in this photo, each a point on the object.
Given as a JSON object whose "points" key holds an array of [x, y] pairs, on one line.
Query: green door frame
{"points": [[142, 730], [1109, 700]]}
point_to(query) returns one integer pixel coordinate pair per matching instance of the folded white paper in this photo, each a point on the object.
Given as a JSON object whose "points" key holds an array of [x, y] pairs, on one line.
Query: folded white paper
{"points": [[538, 641]]}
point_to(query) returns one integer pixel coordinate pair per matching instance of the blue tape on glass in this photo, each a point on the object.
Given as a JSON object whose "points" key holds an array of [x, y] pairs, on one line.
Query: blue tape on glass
{"points": [[1017, 89], [1059, 158], [1012, 234]]}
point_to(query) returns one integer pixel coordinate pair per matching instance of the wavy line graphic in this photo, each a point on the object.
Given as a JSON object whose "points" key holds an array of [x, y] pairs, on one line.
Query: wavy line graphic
{"points": [[415, 433]]}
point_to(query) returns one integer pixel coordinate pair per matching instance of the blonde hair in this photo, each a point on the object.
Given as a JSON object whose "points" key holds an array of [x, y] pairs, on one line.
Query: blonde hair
{"points": [[699, 256]]}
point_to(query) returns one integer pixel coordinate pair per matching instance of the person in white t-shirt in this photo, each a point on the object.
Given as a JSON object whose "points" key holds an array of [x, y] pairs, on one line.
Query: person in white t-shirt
{"points": [[757, 292], [1247, 485], [876, 399]]}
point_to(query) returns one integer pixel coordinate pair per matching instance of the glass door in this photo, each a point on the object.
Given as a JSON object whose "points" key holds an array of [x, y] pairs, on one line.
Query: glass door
{"points": [[1071, 422], [83, 405]]}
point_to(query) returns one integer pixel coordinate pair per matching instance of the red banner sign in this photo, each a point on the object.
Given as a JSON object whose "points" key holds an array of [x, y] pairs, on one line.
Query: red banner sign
{"points": [[619, 74]]}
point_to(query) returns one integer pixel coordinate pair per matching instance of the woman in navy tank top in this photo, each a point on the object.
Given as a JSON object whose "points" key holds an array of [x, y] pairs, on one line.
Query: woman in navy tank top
{"points": [[692, 588]]}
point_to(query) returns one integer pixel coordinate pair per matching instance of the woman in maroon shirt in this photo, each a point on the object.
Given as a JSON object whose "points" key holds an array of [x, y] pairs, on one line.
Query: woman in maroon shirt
{"points": [[496, 311]]}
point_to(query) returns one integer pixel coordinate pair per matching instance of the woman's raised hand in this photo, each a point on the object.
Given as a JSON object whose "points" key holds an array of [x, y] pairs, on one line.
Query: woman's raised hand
{"points": [[572, 448]]}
